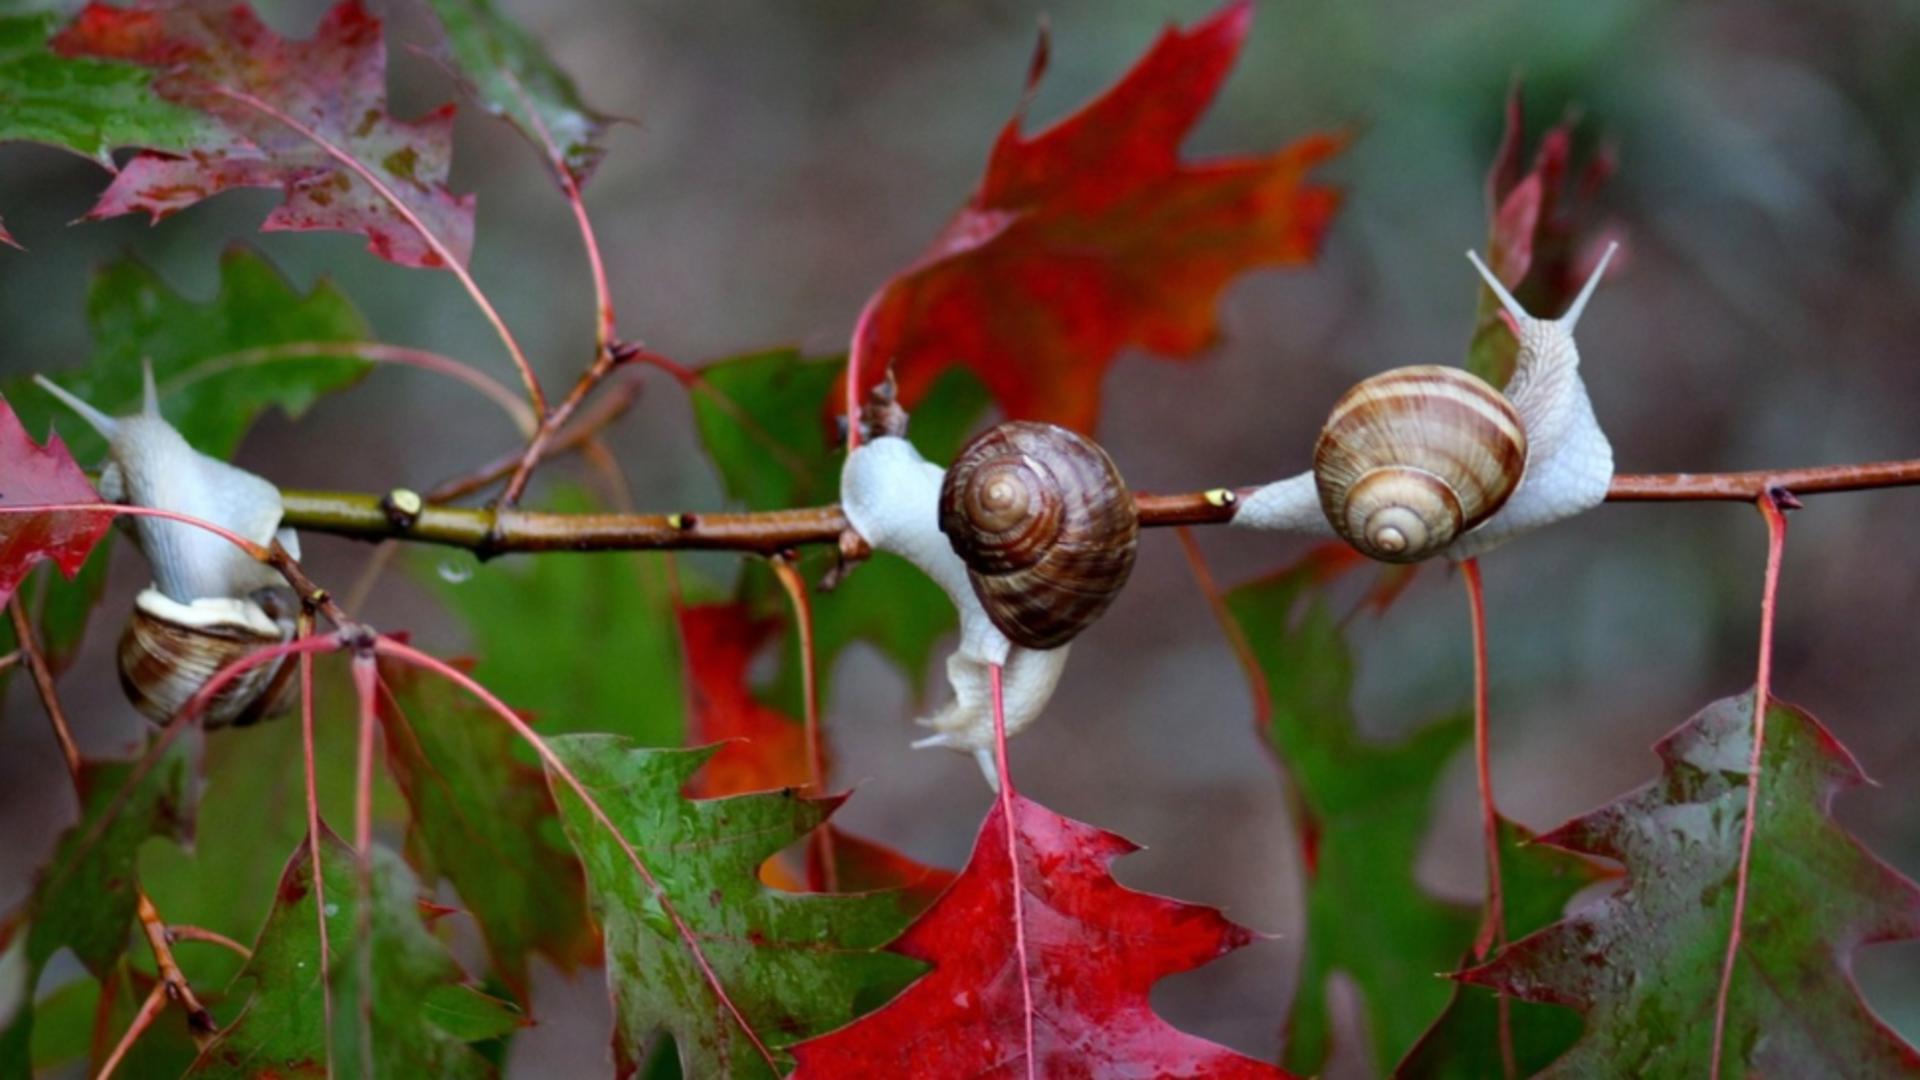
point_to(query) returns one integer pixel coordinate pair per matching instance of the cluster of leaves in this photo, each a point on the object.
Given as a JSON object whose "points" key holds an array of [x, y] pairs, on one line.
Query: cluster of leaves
{"points": [[742, 934]]}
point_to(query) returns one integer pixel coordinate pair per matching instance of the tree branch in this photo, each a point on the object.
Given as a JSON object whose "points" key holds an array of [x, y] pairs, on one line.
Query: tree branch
{"points": [[490, 532]]}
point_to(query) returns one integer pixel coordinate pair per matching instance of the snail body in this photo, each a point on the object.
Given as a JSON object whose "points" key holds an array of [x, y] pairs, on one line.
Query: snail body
{"points": [[1046, 527], [210, 603], [1431, 460]]}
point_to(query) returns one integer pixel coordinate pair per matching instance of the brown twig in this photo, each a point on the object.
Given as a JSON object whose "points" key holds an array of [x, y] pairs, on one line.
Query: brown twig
{"points": [[179, 932], [199, 1020], [149, 1009], [43, 682], [497, 532]]}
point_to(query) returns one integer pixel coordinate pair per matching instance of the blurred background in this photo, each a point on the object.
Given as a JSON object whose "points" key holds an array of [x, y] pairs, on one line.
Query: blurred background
{"points": [[785, 159]]}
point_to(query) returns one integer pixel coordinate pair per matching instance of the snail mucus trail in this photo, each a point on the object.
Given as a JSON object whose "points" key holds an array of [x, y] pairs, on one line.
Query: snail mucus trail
{"points": [[210, 603]]}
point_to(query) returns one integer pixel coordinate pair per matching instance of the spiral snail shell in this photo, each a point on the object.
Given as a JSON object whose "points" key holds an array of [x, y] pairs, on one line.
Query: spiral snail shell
{"points": [[1411, 458], [210, 603], [1430, 460], [1045, 525]]}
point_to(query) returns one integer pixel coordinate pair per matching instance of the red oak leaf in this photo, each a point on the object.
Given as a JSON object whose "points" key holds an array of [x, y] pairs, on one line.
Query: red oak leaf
{"points": [[1542, 242], [765, 749], [307, 117], [35, 475], [1094, 235], [1094, 951]]}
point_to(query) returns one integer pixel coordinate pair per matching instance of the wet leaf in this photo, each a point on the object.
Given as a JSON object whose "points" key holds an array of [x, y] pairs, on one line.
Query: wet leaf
{"points": [[1643, 965], [90, 107], [36, 474], [482, 818], [289, 115], [1094, 235], [87, 894], [1095, 949], [794, 965], [514, 78], [392, 1020]]}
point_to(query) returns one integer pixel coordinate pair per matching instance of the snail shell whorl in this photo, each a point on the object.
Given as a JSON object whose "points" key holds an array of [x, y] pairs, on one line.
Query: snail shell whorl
{"points": [[169, 650], [1412, 458], [1046, 526]]}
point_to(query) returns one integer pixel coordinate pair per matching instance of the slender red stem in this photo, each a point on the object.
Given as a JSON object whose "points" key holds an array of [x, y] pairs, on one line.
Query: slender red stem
{"points": [[252, 549], [374, 352], [313, 834], [386, 646], [180, 932], [856, 352], [364, 678], [604, 323], [1493, 926], [433, 241], [1773, 507], [1008, 800], [43, 683], [150, 1009], [822, 842]]}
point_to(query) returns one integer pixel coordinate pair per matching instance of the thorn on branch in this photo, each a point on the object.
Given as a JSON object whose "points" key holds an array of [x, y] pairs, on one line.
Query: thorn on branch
{"points": [[1783, 500]]}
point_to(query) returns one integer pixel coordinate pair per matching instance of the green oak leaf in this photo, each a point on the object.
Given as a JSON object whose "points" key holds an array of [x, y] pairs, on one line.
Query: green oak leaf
{"points": [[509, 71], [418, 1013], [606, 656], [214, 361], [1367, 806], [86, 896], [1644, 964], [87, 106], [1536, 881], [794, 964], [484, 820]]}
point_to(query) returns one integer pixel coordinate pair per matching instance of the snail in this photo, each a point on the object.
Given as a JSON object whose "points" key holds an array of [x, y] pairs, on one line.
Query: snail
{"points": [[210, 603], [1046, 527], [891, 497], [1429, 460]]}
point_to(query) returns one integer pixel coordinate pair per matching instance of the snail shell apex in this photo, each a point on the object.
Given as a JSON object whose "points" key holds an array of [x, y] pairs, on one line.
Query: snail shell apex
{"points": [[1412, 458], [1046, 526], [169, 650]]}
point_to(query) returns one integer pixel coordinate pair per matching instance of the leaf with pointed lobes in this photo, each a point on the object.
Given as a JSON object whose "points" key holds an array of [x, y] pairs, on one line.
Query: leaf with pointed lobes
{"points": [[514, 78], [1093, 236], [1537, 882], [713, 946], [484, 820], [1643, 965], [761, 749], [1364, 810], [1543, 242], [307, 117], [35, 474], [1094, 950], [89, 107], [399, 1001]]}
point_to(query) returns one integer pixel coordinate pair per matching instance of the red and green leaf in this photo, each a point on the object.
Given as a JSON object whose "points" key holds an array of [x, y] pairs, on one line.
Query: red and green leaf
{"points": [[509, 71], [87, 893], [91, 107], [42, 475], [1094, 951], [306, 117], [399, 1001], [1093, 236], [482, 818], [1544, 240], [1643, 965], [792, 965]]}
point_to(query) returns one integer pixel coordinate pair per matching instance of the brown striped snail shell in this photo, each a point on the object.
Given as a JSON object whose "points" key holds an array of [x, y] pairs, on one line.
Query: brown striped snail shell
{"points": [[1046, 526], [1412, 458], [169, 650]]}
